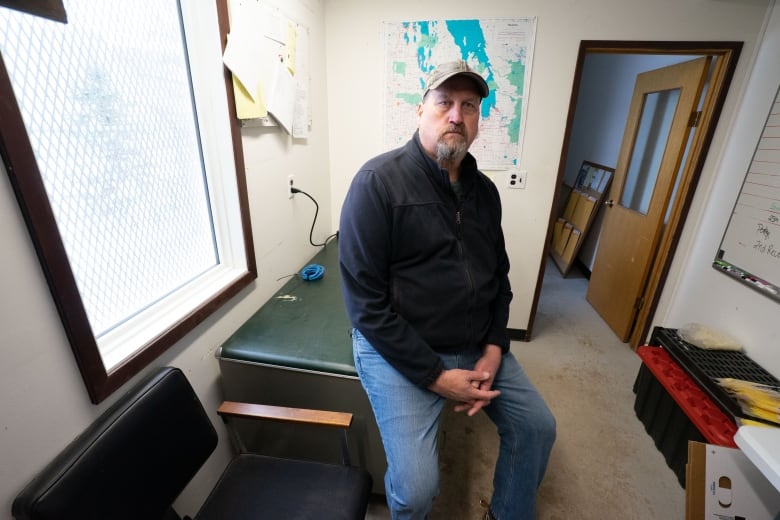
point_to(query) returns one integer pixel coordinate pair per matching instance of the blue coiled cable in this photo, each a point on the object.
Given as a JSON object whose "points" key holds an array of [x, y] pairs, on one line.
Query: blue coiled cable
{"points": [[312, 272]]}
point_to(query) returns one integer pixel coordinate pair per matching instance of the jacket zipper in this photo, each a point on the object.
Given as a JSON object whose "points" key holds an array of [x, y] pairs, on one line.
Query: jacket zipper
{"points": [[467, 270]]}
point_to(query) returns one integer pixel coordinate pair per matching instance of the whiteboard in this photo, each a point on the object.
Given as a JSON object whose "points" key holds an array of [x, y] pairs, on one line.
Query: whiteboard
{"points": [[750, 250]]}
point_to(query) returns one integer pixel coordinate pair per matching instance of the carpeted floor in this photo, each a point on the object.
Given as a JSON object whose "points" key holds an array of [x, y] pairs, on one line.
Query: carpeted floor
{"points": [[603, 465]]}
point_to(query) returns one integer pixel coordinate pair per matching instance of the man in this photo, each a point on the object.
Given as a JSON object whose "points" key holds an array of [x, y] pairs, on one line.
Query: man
{"points": [[425, 282]]}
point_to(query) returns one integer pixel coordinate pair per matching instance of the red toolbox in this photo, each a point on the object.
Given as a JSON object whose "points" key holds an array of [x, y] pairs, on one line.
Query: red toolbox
{"points": [[674, 409]]}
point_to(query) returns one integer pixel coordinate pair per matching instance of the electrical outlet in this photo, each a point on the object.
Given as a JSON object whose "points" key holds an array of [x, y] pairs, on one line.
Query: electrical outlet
{"points": [[290, 181], [517, 180]]}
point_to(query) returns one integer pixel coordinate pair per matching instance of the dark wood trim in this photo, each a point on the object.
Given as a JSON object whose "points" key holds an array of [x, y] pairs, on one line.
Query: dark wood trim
{"points": [[33, 201], [659, 47], [238, 147], [51, 9], [24, 174], [518, 334], [553, 216]]}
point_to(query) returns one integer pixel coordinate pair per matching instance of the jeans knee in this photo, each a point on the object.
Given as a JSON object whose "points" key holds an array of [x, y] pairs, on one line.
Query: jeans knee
{"points": [[536, 429], [413, 495], [545, 427], [549, 426]]}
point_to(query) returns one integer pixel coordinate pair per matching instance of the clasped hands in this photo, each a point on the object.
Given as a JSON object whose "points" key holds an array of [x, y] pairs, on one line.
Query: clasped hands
{"points": [[471, 389]]}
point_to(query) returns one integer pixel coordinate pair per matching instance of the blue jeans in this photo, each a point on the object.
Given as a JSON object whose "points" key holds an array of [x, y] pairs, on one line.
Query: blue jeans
{"points": [[408, 418]]}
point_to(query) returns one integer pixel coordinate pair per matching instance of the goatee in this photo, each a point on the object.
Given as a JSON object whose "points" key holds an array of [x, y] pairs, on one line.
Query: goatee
{"points": [[451, 151]]}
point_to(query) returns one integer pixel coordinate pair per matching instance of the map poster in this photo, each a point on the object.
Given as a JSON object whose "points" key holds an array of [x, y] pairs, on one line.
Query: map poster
{"points": [[501, 50]]}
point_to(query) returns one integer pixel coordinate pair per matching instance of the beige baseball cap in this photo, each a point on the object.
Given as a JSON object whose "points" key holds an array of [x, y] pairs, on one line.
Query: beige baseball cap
{"points": [[450, 69]]}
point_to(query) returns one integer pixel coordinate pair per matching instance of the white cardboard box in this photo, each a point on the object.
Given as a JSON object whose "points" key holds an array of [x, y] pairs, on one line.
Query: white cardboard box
{"points": [[723, 484]]}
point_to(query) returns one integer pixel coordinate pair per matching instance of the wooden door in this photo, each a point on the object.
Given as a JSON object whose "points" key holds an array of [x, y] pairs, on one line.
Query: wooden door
{"points": [[661, 116]]}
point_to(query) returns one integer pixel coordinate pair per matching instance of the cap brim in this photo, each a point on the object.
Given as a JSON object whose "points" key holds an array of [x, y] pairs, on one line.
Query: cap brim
{"points": [[479, 82]]}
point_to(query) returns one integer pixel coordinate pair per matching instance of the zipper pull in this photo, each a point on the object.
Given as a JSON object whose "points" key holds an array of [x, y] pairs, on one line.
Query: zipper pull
{"points": [[457, 217]]}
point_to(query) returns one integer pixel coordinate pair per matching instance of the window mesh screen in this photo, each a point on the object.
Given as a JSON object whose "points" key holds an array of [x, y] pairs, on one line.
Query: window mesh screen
{"points": [[108, 106]]}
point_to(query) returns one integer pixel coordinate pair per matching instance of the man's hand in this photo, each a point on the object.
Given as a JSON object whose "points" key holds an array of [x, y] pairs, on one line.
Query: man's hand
{"points": [[464, 386], [488, 363], [471, 388]]}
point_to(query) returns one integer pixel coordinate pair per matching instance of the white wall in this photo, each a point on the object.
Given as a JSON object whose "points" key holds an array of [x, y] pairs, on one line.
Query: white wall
{"points": [[355, 73], [696, 292], [44, 403]]}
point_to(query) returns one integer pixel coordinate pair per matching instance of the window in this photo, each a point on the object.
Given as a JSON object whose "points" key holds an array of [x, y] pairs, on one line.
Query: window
{"points": [[129, 173]]}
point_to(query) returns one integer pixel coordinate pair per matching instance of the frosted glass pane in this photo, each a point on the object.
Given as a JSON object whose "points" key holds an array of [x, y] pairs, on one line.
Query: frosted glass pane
{"points": [[108, 106]]}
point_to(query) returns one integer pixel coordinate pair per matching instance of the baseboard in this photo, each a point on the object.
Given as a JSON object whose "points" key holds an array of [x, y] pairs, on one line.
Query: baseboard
{"points": [[518, 334], [583, 268]]}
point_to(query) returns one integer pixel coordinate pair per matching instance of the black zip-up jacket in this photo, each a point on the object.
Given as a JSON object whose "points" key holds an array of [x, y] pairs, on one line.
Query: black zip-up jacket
{"points": [[423, 272]]}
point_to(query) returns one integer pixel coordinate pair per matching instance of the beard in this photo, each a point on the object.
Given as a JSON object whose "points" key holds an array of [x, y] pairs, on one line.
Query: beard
{"points": [[453, 150]]}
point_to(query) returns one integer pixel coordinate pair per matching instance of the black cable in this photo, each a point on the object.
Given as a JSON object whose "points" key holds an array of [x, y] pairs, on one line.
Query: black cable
{"points": [[316, 212]]}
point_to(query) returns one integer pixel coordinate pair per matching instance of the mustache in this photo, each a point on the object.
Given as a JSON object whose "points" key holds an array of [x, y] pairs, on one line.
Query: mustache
{"points": [[454, 129]]}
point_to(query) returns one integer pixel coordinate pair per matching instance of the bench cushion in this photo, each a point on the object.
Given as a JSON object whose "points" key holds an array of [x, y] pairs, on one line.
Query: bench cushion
{"points": [[303, 326]]}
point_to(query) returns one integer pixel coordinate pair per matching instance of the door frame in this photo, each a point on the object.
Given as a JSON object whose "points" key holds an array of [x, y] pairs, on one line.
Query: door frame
{"points": [[727, 54]]}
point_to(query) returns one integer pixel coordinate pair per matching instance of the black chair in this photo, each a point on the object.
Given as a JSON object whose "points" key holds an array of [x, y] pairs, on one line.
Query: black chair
{"points": [[137, 457]]}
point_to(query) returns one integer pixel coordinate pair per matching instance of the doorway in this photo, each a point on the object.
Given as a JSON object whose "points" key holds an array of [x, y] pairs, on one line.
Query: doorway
{"points": [[661, 122], [610, 61]]}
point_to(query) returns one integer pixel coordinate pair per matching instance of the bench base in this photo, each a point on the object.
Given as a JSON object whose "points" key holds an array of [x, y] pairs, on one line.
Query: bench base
{"points": [[283, 386]]}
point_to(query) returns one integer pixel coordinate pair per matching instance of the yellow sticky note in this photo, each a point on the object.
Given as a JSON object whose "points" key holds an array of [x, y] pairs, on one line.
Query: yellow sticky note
{"points": [[246, 107]]}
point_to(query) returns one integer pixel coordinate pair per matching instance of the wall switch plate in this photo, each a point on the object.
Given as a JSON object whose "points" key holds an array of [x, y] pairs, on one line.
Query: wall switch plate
{"points": [[517, 180]]}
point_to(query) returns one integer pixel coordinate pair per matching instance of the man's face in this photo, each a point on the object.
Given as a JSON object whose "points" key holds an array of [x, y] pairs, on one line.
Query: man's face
{"points": [[449, 119]]}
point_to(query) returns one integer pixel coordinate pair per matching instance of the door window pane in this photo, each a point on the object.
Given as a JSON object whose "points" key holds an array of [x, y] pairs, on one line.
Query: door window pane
{"points": [[654, 127]]}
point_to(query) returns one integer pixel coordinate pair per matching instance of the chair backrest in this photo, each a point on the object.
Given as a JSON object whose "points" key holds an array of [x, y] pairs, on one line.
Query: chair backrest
{"points": [[132, 462]]}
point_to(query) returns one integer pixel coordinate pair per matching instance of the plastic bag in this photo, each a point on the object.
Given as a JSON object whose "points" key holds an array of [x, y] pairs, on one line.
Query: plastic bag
{"points": [[707, 337]]}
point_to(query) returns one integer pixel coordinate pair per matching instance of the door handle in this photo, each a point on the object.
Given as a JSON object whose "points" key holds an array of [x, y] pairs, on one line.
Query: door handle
{"points": [[609, 203]]}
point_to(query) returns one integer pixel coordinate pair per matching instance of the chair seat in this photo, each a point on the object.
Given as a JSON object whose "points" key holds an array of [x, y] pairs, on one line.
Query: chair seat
{"points": [[257, 486]]}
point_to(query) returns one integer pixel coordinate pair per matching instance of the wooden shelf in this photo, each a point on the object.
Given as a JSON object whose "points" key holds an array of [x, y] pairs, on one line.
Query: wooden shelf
{"points": [[581, 207]]}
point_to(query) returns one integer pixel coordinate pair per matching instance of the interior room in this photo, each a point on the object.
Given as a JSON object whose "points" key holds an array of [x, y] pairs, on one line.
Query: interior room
{"points": [[604, 465]]}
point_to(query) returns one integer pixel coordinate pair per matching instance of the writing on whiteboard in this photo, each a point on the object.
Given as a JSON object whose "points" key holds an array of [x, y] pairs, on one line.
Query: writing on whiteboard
{"points": [[768, 249]]}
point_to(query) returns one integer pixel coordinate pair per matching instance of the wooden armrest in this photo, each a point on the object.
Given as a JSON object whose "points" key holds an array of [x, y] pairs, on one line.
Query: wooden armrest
{"points": [[283, 414]]}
